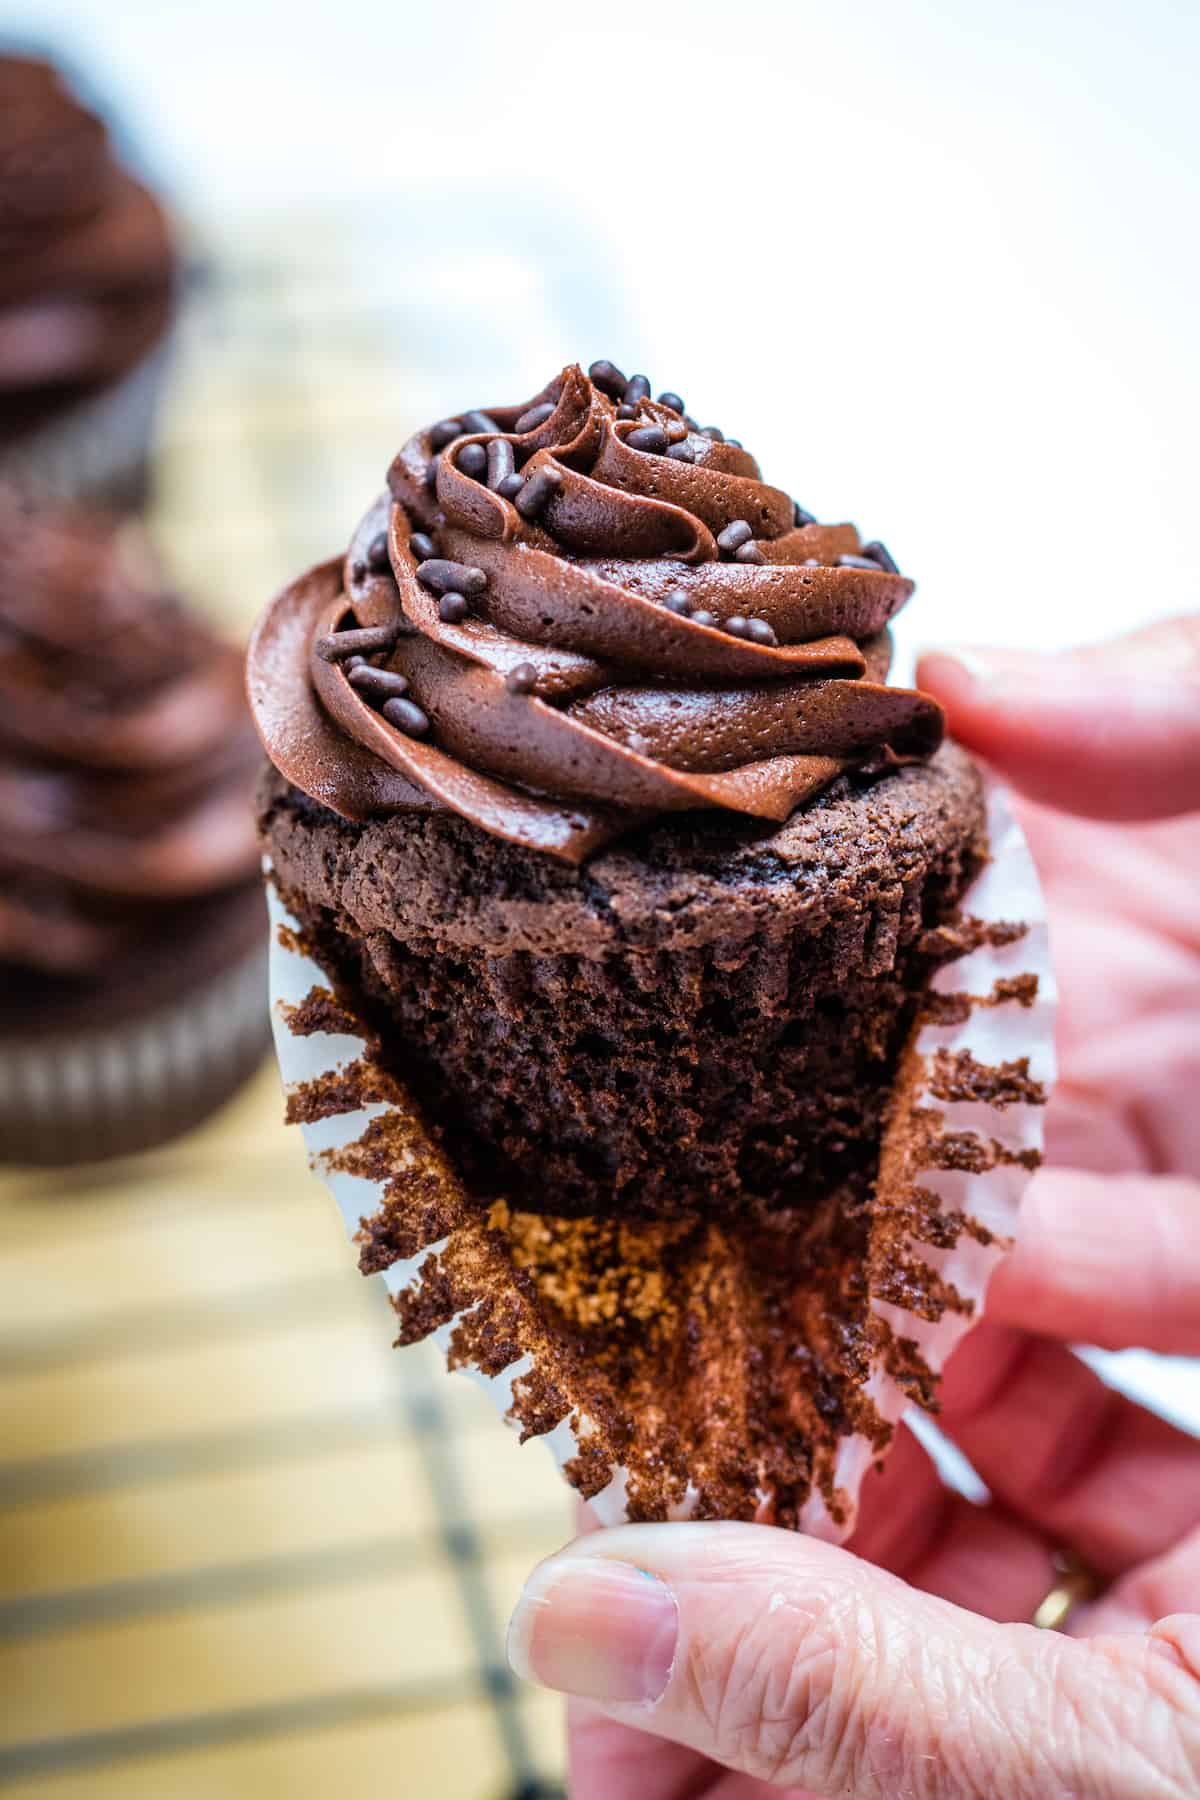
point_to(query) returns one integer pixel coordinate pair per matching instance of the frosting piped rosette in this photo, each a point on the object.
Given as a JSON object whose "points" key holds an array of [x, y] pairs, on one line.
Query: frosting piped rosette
{"points": [[126, 758], [572, 616], [87, 262]]}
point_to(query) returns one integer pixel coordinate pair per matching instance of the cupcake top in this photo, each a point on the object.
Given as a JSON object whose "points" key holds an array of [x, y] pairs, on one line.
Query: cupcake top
{"points": [[86, 259], [572, 616], [126, 758]]}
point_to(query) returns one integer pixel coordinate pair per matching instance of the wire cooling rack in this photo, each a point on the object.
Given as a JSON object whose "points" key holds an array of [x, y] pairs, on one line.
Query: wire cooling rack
{"points": [[246, 1549]]}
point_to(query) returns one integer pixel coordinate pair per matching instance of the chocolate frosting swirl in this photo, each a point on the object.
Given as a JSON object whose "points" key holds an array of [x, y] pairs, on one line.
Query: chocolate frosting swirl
{"points": [[86, 259], [596, 668], [126, 758]]}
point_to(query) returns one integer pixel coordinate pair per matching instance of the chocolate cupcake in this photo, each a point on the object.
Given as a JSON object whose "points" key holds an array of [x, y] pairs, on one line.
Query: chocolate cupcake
{"points": [[590, 796], [132, 937], [87, 280], [666, 1007]]}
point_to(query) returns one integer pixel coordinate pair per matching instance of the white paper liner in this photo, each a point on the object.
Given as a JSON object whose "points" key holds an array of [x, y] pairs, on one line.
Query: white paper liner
{"points": [[1009, 978]]}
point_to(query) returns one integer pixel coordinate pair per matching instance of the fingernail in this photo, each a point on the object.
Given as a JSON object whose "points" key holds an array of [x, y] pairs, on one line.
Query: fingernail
{"points": [[596, 1628]]}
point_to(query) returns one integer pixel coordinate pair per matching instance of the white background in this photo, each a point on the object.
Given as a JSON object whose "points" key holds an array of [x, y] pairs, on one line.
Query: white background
{"points": [[936, 264]]}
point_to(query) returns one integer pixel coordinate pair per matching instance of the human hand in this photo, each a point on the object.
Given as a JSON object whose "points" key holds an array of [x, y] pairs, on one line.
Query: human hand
{"points": [[725, 1660]]}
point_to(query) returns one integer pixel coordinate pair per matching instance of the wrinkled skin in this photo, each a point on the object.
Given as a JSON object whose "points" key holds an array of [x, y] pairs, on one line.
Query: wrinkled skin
{"points": [[806, 1669]]}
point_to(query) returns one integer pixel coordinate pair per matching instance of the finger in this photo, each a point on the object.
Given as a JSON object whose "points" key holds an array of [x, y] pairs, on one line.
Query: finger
{"points": [[1111, 731], [1164, 1585], [798, 1664], [980, 1557], [1106, 1260], [585, 1519], [609, 1761], [1073, 1458]]}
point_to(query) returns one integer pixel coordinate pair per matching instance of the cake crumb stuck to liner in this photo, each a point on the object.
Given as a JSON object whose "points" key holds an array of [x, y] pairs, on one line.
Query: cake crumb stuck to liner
{"points": [[692, 1367]]}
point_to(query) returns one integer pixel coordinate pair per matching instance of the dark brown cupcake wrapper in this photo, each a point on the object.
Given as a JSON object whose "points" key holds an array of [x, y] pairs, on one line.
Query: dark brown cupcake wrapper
{"points": [[79, 1097], [690, 1367], [95, 451]]}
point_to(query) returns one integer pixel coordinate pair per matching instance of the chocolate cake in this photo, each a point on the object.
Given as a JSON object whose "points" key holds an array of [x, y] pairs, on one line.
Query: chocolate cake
{"points": [[591, 797], [87, 285], [131, 919]]}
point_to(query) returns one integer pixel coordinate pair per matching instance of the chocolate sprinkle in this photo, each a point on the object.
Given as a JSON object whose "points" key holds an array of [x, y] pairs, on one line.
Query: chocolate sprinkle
{"points": [[521, 678], [678, 602], [377, 553], [537, 415], [407, 717], [422, 546], [451, 608], [714, 432], [681, 453], [625, 411], [536, 491], [444, 577], [748, 553], [704, 617], [477, 422], [445, 432], [880, 554], [608, 378], [755, 631], [510, 487], [673, 401], [378, 684], [735, 534], [858, 562], [637, 389], [365, 641], [472, 460], [651, 439], [501, 462], [761, 632], [801, 516]]}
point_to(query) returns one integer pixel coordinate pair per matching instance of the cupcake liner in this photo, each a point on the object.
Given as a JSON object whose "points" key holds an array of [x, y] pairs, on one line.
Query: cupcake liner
{"points": [[679, 1368], [84, 1095], [96, 450]]}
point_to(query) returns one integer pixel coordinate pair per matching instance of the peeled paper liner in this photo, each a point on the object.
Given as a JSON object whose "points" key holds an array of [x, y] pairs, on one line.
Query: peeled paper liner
{"points": [[694, 1368]]}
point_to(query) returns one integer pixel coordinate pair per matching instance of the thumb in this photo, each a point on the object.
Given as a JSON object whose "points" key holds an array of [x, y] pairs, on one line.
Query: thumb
{"points": [[1111, 731], [796, 1663]]}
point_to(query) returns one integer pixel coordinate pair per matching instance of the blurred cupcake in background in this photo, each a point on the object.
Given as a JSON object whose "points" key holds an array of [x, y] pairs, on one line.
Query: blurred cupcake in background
{"points": [[87, 288], [132, 928]]}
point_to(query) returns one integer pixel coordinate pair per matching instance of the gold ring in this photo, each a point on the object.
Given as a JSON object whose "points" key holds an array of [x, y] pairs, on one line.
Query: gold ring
{"points": [[1075, 1585]]}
